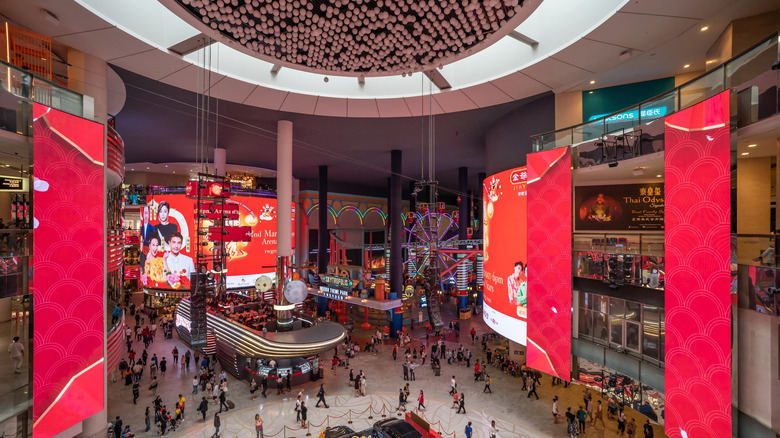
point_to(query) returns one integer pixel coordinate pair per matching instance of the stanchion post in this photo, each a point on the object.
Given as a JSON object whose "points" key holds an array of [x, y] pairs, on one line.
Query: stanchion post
{"points": [[284, 433], [370, 413], [308, 428], [384, 408], [327, 417], [350, 417]]}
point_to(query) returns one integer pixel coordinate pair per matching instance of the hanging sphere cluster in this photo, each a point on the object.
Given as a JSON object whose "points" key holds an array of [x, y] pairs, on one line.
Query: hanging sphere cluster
{"points": [[357, 36]]}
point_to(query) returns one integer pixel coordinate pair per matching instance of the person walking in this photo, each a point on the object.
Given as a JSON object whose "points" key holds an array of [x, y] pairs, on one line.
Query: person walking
{"points": [[477, 371], [279, 385], [153, 386], [163, 367], [468, 430], [598, 415], [357, 386], [571, 424], [175, 352], [532, 389], [461, 404], [304, 411], [253, 388], [555, 409], [223, 399], [621, 420], [136, 392], [118, 427], [217, 424], [648, 429], [453, 385], [259, 426], [16, 351], [187, 357], [631, 427], [204, 406], [395, 351], [493, 431], [264, 385], [401, 400], [363, 385], [195, 383], [581, 415], [147, 420], [321, 397], [421, 401], [455, 400], [488, 382]]}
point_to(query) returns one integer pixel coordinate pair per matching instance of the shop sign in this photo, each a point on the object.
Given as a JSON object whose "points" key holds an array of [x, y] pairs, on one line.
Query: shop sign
{"points": [[646, 113], [619, 207], [8, 183], [335, 287]]}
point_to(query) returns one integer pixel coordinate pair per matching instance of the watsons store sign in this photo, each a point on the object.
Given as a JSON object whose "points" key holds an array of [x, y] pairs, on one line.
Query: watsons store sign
{"points": [[646, 113]]}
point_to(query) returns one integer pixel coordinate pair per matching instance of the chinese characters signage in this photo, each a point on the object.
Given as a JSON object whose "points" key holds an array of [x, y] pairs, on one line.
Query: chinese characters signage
{"points": [[619, 207]]}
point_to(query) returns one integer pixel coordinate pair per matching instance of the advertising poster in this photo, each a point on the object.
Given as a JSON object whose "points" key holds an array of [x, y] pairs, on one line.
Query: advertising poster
{"points": [[173, 214], [505, 261], [619, 207], [697, 291], [549, 262], [69, 269], [249, 260], [167, 256]]}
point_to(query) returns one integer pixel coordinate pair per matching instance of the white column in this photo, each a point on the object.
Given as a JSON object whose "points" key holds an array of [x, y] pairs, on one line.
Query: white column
{"points": [[284, 180], [219, 161]]}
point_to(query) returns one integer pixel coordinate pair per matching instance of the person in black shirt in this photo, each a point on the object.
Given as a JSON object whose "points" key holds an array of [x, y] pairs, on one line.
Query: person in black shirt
{"points": [[165, 229]]}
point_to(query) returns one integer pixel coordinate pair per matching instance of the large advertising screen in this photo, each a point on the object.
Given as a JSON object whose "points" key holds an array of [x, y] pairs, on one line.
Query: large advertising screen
{"points": [[505, 261], [168, 242], [619, 207], [69, 270], [549, 262], [698, 273]]}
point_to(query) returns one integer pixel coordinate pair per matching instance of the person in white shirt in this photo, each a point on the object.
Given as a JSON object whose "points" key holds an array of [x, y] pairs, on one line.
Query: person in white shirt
{"points": [[16, 350], [492, 431], [176, 262]]}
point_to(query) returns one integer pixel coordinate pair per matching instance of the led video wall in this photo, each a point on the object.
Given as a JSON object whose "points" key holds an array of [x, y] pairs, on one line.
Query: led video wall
{"points": [[168, 242], [549, 262], [505, 306], [69, 269], [697, 291]]}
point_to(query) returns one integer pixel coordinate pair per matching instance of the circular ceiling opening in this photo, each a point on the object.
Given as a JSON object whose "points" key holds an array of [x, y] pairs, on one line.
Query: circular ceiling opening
{"points": [[359, 36]]}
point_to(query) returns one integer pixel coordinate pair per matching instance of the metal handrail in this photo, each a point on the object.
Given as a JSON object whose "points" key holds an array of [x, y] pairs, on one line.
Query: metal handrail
{"points": [[537, 140]]}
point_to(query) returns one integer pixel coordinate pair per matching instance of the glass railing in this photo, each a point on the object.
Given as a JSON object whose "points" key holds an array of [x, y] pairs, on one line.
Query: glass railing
{"points": [[749, 73], [18, 88]]}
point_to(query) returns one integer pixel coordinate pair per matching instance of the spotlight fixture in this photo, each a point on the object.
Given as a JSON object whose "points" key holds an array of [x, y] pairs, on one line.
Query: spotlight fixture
{"points": [[704, 28], [752, 145], [686, 65], [639, 170], [592, 82], [659, 176], [745, 153]]}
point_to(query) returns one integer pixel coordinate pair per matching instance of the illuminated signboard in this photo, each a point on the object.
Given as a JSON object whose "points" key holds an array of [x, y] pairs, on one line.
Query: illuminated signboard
{"points": [[8, 183], [336, 288], [647, 113]]}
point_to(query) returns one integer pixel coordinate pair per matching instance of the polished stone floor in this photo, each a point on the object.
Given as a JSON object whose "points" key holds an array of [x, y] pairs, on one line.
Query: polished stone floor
{"points": [[515, 414]]}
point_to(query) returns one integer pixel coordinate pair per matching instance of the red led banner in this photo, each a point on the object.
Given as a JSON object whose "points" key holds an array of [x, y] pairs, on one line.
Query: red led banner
{"points": [[549, 262], [697, 292], [216, 211], [209, 189], [230, 234], [69, 270]]}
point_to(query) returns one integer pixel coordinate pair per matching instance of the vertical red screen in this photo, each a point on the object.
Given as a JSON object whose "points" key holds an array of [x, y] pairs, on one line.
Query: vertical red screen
{"points": [[69, 241], [697, 293], [549, 262]]}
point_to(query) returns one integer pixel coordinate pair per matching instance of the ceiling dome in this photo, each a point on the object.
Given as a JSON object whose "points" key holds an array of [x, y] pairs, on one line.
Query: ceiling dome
{"points": [[359, 37]]}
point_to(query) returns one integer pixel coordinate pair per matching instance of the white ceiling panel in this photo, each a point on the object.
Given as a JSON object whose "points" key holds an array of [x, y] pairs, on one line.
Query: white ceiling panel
{"points": [[190, 78], [555, 74], [266, 98], [591, 55], [362, 108], [299, 103], [232, 90], [519, 85], [455, 100], [73, 18], [420, 106], [107, 44], [154, 64], [640, 31], [687, 8], [329, 106], [485, 95], [393, 107]]}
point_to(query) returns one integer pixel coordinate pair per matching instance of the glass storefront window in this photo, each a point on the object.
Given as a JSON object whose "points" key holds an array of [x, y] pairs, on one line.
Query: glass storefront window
{"points": [[633, 311], [617, 308], [585, 323], [632, 336], [600, 330], [616, 331]]}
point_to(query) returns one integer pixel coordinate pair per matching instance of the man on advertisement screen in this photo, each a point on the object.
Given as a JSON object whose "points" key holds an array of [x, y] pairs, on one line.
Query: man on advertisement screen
{"points": [[176, 263], [147, 230]]}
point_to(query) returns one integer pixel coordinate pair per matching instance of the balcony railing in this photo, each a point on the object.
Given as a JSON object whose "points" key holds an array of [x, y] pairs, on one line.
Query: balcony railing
{"points": [[749, 74]]}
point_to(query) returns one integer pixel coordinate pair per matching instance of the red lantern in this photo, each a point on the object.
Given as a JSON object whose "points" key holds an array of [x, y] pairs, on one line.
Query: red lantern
{"points": [[455, 216]]}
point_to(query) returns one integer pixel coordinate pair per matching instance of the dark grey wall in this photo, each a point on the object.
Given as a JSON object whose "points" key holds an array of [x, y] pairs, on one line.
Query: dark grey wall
{"points": [[508, 140]]}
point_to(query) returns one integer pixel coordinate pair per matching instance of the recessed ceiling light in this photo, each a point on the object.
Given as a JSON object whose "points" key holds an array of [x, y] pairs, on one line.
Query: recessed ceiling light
{"points": [[745, 153], [590, 92], [710, 61], [147, 167], [592, 82], [686, 65], [166, 165], [658, 176], [132, 169], [752, 145], [704, 28], [174, 171]]}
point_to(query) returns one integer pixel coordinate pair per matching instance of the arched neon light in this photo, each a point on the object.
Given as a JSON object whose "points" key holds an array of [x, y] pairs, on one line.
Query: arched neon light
{"points": [[330, 209], [351, 208]]}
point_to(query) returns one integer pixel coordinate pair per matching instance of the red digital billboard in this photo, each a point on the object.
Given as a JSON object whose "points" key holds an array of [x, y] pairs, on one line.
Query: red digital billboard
{"points": [[69, 270], [697, 291], [167, 259], [549, 262], [505, 261]]}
